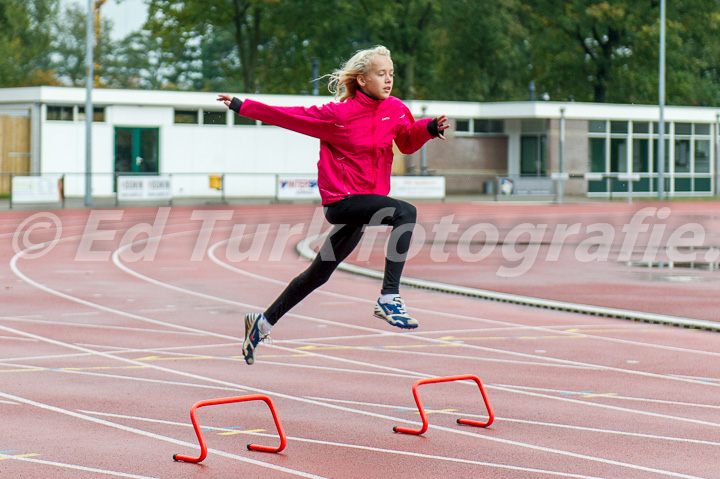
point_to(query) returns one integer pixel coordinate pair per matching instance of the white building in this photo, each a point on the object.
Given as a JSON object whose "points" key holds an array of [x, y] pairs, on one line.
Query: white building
{"points": [[190, 136]]}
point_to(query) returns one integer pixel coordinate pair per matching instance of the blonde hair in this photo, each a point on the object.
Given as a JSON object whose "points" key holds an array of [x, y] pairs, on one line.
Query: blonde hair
{"points": [[343, 82]]}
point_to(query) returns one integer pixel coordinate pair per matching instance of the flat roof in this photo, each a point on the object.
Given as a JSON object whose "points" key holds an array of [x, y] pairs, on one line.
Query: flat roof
{"points": [[26, 97]]}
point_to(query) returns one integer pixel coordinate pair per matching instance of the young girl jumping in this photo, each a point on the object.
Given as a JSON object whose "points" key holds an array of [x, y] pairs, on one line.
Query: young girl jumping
{"points": [[356, 151]]}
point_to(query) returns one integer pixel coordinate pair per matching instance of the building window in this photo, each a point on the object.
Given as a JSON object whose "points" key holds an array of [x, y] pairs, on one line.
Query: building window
{"points": [[702, 129], [532, 155], [480, 126], [597, 126], [189, 117], [214, 117], [620, 147], [641, 127], [618, 155], [60, 113], [619, 127], [597, 155], [462, 126], [243, 121], [98, 114], [641, 155], [656, 128], [488, 126], [682, 156], [702, 156], [683, 128]]}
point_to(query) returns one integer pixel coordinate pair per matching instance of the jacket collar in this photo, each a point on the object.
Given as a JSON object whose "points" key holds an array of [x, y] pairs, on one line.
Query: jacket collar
{"points": [[364, 98]]}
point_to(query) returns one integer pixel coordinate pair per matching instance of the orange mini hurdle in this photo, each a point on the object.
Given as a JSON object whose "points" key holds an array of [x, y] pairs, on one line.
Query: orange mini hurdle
{"points": [[460, 421], [252, 447]]}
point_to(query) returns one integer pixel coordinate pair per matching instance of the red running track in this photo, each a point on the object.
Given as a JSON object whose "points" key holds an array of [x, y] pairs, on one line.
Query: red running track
{"points": [[133, 315]]}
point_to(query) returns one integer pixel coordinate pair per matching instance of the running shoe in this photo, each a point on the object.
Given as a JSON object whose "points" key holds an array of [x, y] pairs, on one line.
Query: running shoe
{"points": [[252, 337], [395, 314]]}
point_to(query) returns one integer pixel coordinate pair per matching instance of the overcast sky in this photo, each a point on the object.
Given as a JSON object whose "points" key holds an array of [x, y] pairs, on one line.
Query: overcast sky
{"points": [[126, 15]]}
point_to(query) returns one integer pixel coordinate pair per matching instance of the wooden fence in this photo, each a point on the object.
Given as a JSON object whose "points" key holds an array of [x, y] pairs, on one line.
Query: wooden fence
{"points": [[14, 148]]}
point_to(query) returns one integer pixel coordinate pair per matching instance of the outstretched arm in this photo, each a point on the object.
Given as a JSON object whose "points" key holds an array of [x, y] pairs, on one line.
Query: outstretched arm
{"points": [[412, 135], [312, 121]]}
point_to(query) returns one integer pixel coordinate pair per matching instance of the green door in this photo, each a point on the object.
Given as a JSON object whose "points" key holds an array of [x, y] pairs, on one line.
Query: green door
{"points": [[532, 155], [136, 150]]}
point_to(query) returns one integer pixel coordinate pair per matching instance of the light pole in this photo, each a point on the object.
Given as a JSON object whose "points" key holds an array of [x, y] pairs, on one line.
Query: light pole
{"points": [[661, 102], [89, 67]]}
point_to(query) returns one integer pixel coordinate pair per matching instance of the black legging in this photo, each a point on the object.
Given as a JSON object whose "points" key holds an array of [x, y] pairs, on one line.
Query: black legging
{"points": [[350, 215]]}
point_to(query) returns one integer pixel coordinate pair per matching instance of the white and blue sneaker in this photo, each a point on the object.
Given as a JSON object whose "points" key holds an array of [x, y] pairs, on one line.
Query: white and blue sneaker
{"points": [[394, 313], [253, 337]]}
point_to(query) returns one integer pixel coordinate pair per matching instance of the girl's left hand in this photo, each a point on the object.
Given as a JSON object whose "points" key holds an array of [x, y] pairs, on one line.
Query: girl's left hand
{"points": [[442, 126]]}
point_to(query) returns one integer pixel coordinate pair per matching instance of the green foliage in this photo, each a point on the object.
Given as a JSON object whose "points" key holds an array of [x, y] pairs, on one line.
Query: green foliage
{"points": [[464, 50], [67, 57], [25, 42], [609, 51]]}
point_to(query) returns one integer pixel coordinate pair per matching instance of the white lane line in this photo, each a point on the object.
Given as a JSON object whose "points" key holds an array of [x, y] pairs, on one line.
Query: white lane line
{"points": [[361, 447], [391, 418], [534, 423], [213, 257], [399, 350], [122, 313], [190, 292], [71, 466], [216, 260], [151, 435], [519, 390], [97, 326], [11, 338], [615, 396], [148, 279], [118, 350], [128, 378]]}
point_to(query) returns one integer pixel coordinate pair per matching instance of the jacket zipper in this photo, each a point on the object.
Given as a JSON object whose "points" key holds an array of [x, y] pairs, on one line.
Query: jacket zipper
{"points": [[374, 144]]}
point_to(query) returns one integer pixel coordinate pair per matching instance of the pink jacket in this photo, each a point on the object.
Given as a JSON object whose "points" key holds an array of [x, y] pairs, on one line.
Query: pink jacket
{"points": [[356, 138]]}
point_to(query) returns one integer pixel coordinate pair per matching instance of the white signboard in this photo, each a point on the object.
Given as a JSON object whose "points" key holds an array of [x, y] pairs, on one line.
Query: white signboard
{"points": [[526, 186], [36, 189], [297, 187], [429, 187], [131, 188]]}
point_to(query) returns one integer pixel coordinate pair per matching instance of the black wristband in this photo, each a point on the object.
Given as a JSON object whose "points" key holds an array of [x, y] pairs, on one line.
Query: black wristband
{"points": [[432, 128], [235, 105]]}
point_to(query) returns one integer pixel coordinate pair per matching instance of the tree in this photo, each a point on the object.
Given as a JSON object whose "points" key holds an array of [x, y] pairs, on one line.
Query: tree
{"points": [[404, 26], [69, 47], [608, 51], [482, 60], [25, 42], [193, 28]]}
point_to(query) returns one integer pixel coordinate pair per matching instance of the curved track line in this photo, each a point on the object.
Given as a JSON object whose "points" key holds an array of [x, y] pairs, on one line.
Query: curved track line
{"points": [[301, 399], [575, 363], [122, 313], [504, 441], [216, 260], [304, 250], [115, 257]]}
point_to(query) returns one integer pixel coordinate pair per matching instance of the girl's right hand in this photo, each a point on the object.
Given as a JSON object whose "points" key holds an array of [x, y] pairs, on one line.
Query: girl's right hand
{"points": [[225, 99]]}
